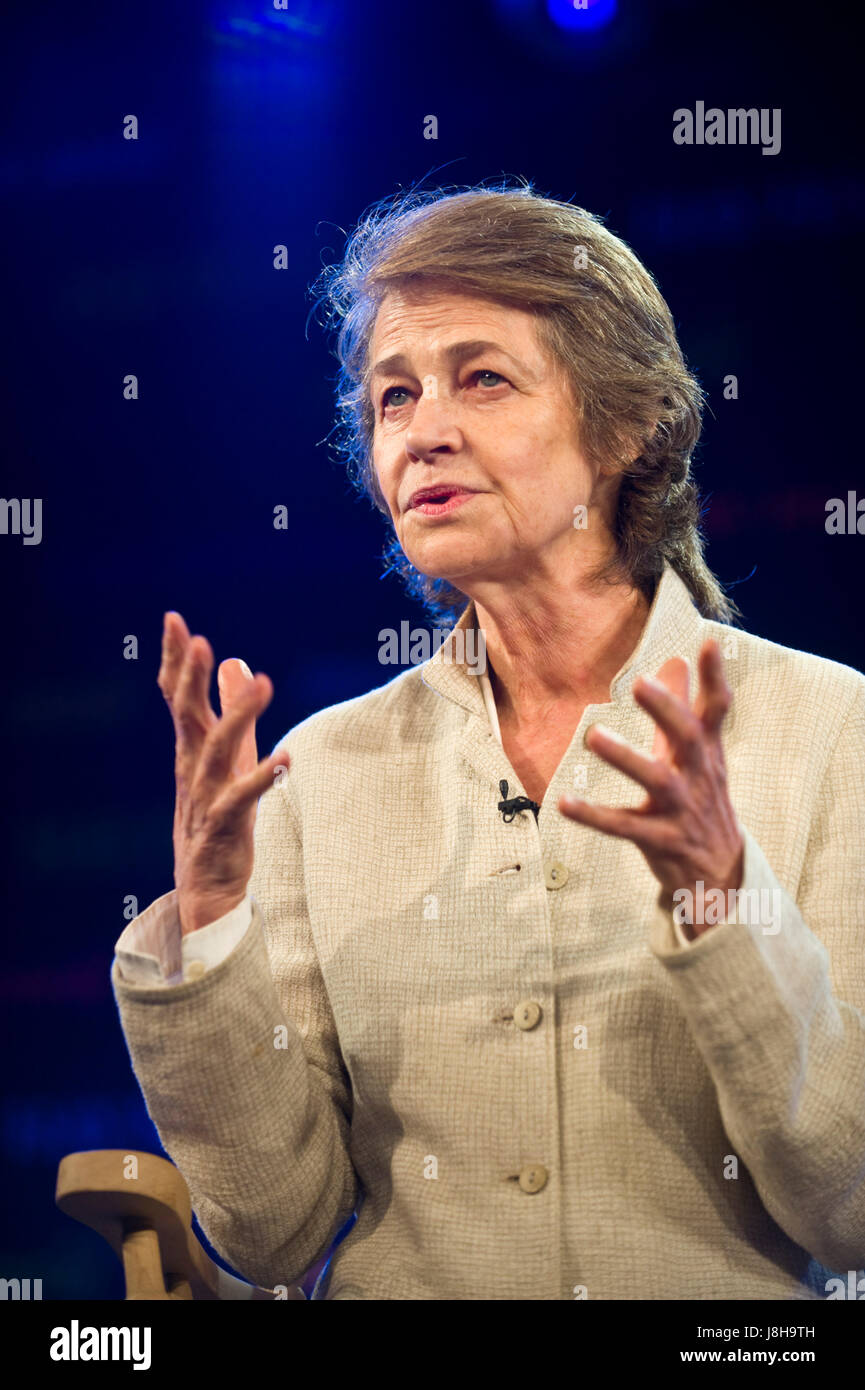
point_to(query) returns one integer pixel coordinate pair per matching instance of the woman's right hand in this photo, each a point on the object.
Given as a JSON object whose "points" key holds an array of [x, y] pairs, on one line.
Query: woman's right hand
{"points": [[217, 773]]}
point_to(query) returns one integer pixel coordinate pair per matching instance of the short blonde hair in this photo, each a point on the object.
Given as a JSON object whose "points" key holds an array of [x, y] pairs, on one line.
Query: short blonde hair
{"points": [[603, 318]]}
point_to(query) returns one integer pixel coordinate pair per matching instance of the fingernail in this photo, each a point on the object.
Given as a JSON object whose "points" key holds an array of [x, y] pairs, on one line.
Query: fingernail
{"points": [[608, 733], [245, 669], [655, 685]]}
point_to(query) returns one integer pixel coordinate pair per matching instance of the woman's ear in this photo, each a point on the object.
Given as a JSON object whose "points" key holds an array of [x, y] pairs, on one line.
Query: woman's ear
{"points": [[626, 452]]}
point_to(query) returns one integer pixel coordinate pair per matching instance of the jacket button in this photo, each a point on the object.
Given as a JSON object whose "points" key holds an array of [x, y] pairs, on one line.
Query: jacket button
{"points": [[555, 875], [533, 1178], [527, 1014]]}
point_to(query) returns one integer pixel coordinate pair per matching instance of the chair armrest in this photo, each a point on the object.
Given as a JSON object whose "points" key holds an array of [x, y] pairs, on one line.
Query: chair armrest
{"points": [[139, 1203]]}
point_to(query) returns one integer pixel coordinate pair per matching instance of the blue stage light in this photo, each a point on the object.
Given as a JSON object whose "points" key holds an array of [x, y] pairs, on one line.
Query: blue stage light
{"points": [[581, 14]]}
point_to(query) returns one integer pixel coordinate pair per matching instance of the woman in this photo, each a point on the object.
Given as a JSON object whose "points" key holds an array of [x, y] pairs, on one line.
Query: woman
{"points": [[610, 1046]]}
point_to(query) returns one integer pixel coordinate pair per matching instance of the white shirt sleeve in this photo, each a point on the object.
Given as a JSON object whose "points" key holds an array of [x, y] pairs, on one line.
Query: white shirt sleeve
{"points": [[152, 951], [680, 935]]}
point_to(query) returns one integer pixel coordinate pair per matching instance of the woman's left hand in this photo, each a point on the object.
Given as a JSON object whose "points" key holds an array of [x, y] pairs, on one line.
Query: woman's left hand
{"points": [[686, 828]]}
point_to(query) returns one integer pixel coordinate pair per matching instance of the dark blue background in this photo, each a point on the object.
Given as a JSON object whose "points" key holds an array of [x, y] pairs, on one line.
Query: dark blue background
{"points": [[154, 257]]}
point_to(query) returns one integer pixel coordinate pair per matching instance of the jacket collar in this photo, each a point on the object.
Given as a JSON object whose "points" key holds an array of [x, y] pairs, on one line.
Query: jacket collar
{"points": [[672, 628]]}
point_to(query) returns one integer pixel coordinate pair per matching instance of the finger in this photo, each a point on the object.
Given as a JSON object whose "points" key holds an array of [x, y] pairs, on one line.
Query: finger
{"points": [[644, 831], [233, 678], [175, 640], [219, 759], [232, 805], [714, 696], [679, 724], [675, 674], [656, 776], [190, 707]]}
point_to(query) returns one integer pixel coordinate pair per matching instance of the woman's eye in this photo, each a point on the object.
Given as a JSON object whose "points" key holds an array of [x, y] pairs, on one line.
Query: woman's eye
{"points": [[396, 396]]}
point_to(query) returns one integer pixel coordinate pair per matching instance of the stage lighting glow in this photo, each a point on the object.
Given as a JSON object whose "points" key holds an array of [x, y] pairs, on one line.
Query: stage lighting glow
{"points": [[581, 14]]}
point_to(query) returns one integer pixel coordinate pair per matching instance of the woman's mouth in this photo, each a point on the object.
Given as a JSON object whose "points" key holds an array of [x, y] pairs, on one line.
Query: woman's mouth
{"points": [[439, 501]]}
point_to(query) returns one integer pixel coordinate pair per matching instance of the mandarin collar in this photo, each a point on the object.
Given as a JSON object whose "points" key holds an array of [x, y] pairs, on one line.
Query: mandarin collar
{"points": [[671, 629]]}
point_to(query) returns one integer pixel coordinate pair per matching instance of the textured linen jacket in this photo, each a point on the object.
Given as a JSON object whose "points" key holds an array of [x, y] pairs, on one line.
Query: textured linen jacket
{"points": [[487, 1038]]}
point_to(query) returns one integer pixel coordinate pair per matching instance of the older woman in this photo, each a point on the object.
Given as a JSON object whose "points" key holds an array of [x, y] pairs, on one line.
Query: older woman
{"points": [[606, 1045]]}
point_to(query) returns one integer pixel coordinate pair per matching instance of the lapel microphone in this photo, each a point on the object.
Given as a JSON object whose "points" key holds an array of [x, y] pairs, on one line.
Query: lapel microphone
{"points": [[512, 807]]}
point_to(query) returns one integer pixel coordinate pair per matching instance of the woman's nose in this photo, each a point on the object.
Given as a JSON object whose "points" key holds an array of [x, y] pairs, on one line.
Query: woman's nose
{"points": [[433, 424]]}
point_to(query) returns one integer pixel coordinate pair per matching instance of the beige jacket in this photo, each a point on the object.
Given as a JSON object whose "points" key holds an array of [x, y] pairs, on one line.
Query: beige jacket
{"points": [[489, 1035]]}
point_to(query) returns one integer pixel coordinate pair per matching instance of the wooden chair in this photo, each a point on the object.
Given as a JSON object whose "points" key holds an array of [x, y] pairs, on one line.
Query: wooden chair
{"points": [[140, 1204]]}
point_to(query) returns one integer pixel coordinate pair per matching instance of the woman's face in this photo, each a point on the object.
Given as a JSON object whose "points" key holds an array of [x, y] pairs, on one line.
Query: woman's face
{"points": [[473, 411]]}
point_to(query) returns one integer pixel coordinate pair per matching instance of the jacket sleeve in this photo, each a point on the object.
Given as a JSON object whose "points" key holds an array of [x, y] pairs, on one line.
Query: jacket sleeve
{"points": [[150, 947], [781, 1025], [243, 1077]]}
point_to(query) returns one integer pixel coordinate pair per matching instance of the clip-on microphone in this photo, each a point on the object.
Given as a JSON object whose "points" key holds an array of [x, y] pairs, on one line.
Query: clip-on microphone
{"points": [[510, 808]]}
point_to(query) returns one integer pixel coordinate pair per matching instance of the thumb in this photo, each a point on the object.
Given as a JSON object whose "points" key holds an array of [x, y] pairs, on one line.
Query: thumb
{"points": [[233, 678]]}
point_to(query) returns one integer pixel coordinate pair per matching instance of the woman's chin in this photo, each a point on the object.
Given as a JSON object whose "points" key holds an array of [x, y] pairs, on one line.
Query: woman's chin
{"points": [[449, 569]]}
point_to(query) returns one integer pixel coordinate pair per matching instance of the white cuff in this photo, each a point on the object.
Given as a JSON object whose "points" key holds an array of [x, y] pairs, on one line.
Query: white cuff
{"points": [[151, 950], [201, 950], [680, 935]]}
